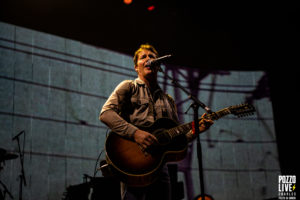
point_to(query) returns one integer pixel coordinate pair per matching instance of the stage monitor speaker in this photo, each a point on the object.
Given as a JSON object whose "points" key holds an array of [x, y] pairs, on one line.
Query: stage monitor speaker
{"points": [[77, 192], [105, 188]]}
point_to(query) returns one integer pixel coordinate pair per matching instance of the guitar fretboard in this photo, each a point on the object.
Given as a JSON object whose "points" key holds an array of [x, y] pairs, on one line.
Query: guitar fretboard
{"points": [[238, 110], [178, 130], [184, 128]]}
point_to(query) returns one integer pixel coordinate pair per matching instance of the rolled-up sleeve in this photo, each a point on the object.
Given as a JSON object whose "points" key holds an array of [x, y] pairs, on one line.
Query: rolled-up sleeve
{"points": [[109, 114]]}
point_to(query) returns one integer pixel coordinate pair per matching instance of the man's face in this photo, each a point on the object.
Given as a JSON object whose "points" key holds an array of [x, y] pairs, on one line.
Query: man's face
{"points": [[141, 68]]}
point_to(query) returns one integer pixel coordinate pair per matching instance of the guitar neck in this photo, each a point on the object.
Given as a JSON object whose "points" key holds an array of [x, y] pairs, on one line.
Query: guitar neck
{"points": [[184, 128], [219, 114]]}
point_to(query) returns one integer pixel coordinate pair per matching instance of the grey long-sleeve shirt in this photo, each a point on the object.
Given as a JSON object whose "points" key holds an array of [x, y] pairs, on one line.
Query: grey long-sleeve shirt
{"points": [[131, 104]]}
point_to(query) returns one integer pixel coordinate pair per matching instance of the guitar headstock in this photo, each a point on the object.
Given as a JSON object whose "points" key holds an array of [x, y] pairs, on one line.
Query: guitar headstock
{"points": [[242, 110]]}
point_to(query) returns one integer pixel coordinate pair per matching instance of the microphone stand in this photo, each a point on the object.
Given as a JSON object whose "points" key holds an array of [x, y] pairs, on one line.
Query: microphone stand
{"points": [[22, 175], [195, 105]]}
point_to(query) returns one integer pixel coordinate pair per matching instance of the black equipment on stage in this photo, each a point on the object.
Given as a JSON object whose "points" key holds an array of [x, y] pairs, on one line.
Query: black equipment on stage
{"points": [[21, 156], [4, 155], [108, 188], [97, 188], [177, 188]]}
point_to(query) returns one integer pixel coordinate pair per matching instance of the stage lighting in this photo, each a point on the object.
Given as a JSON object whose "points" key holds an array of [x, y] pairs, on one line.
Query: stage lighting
{"points": [[150, 8], [127, 1]]}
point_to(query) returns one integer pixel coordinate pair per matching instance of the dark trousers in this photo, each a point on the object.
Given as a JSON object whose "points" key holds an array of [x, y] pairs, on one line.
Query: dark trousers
{"points": [[159, 190]]}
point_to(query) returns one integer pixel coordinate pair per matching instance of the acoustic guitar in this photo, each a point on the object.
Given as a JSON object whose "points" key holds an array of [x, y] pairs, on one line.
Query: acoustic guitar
{"points": [[140, 167]]}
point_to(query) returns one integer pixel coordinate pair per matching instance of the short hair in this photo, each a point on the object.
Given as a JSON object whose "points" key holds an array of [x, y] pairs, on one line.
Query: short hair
{"points": [[143, 47]]}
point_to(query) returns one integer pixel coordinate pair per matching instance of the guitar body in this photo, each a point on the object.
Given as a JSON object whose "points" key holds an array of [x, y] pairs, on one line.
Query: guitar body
{"points": [[138, 167]]}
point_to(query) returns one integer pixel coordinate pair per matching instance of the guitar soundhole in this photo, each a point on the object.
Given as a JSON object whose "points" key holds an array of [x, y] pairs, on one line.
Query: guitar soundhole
{"points": [[162, 137]]}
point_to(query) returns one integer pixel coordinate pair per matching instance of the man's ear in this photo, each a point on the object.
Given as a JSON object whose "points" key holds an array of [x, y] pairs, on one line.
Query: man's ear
{"points": [[136, 68]]}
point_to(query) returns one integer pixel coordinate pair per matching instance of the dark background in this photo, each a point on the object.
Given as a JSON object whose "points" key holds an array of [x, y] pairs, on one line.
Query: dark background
{"points": [[209, 36]]}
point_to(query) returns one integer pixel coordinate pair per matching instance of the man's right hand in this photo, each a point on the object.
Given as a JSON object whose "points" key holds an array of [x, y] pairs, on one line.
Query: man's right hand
{"points": [[143, 138]]}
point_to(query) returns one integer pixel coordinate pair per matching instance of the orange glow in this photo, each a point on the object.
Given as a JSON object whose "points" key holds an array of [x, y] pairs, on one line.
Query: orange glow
{"points": [[127, 2]]}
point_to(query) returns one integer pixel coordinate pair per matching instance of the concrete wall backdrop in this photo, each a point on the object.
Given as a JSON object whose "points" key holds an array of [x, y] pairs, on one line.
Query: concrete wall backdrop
{"points": [[53, 88]]}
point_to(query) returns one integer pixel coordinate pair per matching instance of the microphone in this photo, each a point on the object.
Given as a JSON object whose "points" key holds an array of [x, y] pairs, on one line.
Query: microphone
{"points": [[18, 135], [157, 61]]}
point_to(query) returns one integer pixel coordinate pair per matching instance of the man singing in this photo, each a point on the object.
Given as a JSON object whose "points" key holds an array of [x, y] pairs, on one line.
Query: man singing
{"points": [[137, 103]]}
